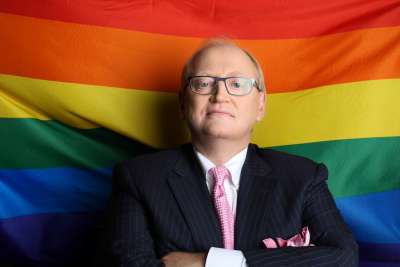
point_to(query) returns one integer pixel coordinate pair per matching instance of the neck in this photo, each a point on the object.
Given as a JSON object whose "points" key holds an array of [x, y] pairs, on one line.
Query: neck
{"points": [[219, 151]]}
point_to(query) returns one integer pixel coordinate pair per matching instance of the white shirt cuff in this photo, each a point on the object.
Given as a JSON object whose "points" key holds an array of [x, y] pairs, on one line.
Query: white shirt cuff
{"points": [[225, 257]]}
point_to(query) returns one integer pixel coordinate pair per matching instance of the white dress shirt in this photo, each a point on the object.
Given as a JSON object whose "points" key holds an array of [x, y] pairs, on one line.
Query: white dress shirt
{"points": [[219, 256]]}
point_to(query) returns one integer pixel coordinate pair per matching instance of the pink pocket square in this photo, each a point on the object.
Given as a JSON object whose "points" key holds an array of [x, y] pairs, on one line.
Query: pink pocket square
{"points": [[300, 240]]}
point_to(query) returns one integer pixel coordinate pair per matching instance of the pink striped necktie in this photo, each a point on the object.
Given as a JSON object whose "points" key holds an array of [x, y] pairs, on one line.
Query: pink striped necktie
{"points": [[222, 207]]}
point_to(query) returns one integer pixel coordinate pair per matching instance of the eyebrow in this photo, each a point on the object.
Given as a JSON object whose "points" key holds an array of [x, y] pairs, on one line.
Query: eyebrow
{"points": [[230, 74], [201, 74]]}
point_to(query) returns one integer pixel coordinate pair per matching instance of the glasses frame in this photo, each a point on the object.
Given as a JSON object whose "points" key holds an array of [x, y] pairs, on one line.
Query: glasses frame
{"points": [[217, 79]]}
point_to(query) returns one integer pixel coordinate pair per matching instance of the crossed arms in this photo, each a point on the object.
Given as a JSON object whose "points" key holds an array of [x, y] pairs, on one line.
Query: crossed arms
{"points": [[134, 235]]}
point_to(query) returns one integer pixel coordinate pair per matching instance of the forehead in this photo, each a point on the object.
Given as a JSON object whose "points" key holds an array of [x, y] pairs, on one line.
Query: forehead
{"points": [[223, 60]]}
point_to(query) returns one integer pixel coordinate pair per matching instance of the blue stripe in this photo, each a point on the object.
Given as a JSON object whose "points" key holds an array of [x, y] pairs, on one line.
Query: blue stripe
{"points": [[373, 218], [25, 192]]}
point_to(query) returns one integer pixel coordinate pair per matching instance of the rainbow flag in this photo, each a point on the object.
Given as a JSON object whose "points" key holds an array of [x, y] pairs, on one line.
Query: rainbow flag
{"points": [[85, 84]]}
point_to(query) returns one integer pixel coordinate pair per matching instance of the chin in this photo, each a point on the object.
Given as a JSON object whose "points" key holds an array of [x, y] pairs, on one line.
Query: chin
{"points": [[217, 132]]}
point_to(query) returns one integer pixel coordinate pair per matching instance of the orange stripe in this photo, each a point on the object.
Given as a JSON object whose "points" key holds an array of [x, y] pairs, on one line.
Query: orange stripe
{"points": [[70, 52]]}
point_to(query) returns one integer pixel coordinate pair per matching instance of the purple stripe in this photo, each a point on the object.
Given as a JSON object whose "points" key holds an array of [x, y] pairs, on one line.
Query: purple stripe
{"points": [[70, 239], [374, 254], [378, 264], [47, 239]]}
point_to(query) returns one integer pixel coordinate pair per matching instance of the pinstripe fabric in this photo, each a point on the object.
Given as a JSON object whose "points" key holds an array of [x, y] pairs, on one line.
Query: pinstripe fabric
{"points": [[160, 203]]}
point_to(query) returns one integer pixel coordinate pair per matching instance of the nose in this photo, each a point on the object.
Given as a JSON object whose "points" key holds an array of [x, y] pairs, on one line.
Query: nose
{"points": [[221, 92]]}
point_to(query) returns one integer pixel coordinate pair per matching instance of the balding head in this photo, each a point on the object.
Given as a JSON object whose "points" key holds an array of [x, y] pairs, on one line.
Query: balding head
{"points": [[189, 67]]}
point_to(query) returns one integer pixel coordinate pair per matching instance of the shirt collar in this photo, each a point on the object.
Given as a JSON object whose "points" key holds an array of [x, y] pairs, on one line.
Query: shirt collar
{"points": [[234, 165]]}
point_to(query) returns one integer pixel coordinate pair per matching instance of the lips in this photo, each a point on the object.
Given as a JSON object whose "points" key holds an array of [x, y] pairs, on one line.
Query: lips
{"points": [[219, 112]]}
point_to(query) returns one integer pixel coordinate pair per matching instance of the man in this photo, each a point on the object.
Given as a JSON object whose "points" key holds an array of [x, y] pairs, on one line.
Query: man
{"points": [[214, 201]]}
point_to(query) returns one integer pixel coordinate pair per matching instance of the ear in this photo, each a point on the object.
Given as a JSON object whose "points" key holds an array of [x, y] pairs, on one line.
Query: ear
{"points": [[262, 99]]}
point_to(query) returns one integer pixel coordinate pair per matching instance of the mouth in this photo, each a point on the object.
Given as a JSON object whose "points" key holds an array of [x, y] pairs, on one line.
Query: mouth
{"points": [[219, 113]]}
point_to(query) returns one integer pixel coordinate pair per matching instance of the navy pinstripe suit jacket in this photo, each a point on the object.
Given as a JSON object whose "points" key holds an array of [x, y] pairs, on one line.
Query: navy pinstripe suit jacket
{"points": [[160, 203]]}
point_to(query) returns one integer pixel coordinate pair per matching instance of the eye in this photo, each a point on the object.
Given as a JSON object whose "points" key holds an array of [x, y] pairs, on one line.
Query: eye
{"points": [[236, 83], [203, 84]]}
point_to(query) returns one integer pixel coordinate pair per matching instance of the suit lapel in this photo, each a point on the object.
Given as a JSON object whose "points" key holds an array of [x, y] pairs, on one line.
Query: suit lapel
{"points": [[256, 185], [190, 190]]}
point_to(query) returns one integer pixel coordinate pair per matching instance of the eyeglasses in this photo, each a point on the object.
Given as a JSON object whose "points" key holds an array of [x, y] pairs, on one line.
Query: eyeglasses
{"points": [[206, 85]]}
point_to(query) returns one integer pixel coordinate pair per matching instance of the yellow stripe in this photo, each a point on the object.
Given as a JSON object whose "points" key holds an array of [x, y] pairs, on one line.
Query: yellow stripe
{"points": [[342, 111], [149, 117], [10, 107]]}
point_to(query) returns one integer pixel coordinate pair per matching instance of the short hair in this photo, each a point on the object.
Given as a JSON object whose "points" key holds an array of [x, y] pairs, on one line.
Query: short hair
{"points": [[215, 42]]}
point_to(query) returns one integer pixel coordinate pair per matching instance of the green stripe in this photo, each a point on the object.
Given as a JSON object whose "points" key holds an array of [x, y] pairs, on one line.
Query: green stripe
{"points": [[30, 143], [356, 166]]}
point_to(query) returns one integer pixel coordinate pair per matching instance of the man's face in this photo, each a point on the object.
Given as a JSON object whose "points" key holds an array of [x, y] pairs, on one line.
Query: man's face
{"points": [[221, 115]]}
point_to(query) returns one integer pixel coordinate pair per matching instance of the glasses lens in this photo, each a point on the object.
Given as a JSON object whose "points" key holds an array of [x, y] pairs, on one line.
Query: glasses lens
{"points": [[239, 86], [202, 85]]}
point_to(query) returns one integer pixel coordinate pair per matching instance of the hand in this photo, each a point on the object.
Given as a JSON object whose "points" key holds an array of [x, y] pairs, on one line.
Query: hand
{"points": [[184, 259]]}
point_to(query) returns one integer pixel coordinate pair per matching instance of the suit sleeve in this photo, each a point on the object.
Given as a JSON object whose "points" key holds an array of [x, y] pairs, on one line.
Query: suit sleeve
{"points": [[129, 243], [334, 243]]}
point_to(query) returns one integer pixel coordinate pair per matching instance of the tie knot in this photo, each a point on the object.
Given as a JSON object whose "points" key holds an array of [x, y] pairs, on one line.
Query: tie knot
{"points": [[220, 174]]}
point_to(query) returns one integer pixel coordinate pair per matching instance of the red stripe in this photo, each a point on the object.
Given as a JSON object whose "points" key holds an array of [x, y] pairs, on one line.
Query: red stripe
{"points": [[240, 19]]}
